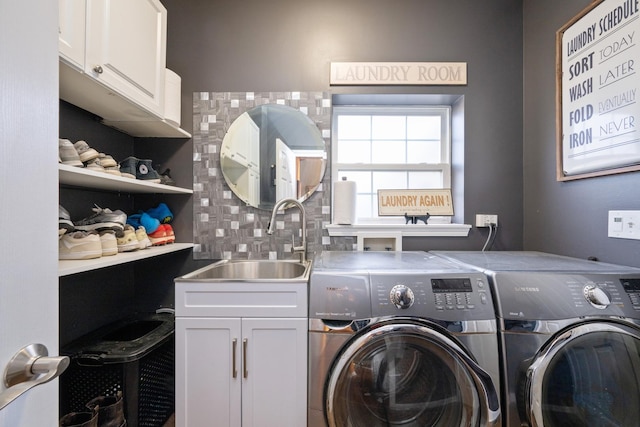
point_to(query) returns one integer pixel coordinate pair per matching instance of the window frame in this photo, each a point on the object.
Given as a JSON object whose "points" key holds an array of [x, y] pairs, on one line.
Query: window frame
{"points": [[444, 166]]}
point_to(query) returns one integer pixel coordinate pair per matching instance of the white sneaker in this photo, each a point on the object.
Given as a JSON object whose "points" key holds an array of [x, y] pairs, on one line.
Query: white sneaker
{"points": [[143, 240], [127, 240], [67, 154], [109, 242], [79, 245], [85, 152]]}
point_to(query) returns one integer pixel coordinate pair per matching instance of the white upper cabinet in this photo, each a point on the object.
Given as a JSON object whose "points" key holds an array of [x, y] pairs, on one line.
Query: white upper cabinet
{"points": [[126, 48], [113, 63], [71, 32]]}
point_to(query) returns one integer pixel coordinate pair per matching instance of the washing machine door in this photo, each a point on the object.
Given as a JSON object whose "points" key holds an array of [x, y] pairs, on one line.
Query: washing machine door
{"points": [[405, 372], [587, 375]]}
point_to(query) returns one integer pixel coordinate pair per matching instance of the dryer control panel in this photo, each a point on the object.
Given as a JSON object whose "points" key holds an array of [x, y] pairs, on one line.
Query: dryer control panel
{"points": [[447, 296]]}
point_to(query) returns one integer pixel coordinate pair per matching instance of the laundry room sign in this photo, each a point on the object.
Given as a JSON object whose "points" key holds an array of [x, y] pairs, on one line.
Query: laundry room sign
{"points": [[415, 202], [398, 73], [598, 116]]}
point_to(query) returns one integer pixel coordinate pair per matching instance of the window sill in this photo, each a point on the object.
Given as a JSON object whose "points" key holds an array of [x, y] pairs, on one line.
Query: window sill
{"points": [[405, 230]]}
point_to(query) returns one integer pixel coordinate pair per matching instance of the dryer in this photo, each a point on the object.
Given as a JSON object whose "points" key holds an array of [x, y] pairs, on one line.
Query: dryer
{"points": [[400, 339], [569, 333]]}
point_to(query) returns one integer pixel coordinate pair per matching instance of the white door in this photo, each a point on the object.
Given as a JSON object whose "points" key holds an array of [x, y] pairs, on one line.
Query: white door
{"points": [[28, 197]]}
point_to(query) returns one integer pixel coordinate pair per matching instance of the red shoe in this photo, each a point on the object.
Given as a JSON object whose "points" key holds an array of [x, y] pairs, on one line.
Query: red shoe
{"points": [[159, 237], [171, 237]]}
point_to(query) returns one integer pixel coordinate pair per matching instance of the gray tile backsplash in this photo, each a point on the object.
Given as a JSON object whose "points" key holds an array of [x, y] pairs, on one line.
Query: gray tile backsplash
{"points": [[224, 226]]}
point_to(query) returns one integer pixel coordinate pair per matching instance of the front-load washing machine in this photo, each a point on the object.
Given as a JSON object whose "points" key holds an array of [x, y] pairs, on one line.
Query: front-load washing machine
{"points": [[400, 339], [569, 334]]}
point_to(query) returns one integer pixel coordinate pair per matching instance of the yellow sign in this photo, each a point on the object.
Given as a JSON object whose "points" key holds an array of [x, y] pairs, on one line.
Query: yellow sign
{"points": [[415, 202]]}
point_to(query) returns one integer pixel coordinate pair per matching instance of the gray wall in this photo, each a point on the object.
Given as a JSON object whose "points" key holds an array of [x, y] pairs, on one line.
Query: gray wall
{"points": [[568, 218], [285, 45]]}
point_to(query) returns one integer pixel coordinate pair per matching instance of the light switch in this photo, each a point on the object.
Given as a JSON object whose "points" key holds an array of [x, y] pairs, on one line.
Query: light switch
{"points": [[624, 224]]}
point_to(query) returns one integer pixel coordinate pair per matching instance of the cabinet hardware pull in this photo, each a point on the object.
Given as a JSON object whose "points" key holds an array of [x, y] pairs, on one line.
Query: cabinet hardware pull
{"points": [[244, 357], [234, 370], [98, 69]]}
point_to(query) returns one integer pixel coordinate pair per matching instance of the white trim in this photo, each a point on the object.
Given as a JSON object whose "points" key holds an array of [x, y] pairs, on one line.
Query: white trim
{"points": [[405, 230]]}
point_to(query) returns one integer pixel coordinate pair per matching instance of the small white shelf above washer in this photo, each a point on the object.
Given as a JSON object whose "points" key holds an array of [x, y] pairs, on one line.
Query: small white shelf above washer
{"points": [[68, 267], [85, 178]]}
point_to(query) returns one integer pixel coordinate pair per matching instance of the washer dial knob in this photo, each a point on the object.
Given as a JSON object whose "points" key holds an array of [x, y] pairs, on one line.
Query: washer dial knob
{"points": [[401, 296], [596, 296]]}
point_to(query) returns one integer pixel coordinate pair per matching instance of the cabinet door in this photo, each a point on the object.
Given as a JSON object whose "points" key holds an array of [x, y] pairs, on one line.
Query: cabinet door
{"points": [[274, 392], [126, 49], [71, 32], [208, 389]]}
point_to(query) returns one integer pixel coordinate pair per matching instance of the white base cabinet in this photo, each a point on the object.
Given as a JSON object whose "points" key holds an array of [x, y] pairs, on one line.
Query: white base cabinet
{"points": [[236, 372], [241, 354]]}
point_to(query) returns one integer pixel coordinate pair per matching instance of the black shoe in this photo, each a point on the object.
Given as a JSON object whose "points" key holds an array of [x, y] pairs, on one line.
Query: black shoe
{"points": [[166, 179]]}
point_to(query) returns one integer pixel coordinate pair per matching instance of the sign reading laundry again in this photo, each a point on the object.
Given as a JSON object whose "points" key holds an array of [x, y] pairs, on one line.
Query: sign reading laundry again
{"points": [[415, 202]]}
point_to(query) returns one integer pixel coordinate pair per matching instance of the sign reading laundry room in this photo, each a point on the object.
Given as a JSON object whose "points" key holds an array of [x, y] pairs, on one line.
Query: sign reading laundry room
{"points": [[597, 112], [415, 202], [398, 73]]}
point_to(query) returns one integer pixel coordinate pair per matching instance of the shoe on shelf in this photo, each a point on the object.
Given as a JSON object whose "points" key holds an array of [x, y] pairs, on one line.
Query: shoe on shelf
{"points": [[128, 167], [95, 165], [65, 225], [145, 220], [79, 245], [146, 172], [143, 238], [109, 242], [110, 410], [113, 170], [80, 419], [127, 240], [85, 152], [159, 237], [67, 153], [106, 160], [103, 219], [171, 237], [161, 212], [165, 178]]}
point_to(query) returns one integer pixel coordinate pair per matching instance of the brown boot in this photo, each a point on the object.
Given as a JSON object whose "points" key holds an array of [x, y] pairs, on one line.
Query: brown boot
{"points": [[80, 419], [110, 410]]}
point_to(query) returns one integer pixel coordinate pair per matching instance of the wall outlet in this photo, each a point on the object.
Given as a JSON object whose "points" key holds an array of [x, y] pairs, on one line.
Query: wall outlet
{"points": [[484, 220]]}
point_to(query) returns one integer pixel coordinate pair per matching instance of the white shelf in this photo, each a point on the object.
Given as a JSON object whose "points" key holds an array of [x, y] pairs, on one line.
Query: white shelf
{"points": [[85, 178], [68, 267], [404, 230]]}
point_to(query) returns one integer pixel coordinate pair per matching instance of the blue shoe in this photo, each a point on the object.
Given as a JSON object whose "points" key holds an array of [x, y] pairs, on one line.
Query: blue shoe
{"points": [[142, 219], [162, 213]]}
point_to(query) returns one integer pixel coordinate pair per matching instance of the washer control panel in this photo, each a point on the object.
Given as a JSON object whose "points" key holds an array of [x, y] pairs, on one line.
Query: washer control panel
{"points": [[447, 296]]}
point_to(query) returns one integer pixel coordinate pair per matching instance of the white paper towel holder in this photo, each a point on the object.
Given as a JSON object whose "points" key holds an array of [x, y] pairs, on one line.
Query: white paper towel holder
{"points": [[344, 202]]}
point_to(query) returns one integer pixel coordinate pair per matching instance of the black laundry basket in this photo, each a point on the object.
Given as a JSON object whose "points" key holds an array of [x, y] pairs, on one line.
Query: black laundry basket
{"points": [[135, 356]]}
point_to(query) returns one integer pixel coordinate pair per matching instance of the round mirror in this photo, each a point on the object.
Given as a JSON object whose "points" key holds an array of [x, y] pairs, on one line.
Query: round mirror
{"points": [[272, 152]]}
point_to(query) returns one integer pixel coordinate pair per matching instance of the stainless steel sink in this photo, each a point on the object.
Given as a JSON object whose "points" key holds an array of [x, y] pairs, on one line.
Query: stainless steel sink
{"points": [[252, 271]]}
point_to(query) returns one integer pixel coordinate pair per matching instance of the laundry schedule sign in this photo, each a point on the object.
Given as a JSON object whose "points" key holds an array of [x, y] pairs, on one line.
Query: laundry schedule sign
{"points": [[598, 58]]}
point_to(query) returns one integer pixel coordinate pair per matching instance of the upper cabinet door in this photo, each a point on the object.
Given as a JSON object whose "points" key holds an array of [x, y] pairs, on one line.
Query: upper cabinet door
{"points": [[71, 32], [126, 48]]}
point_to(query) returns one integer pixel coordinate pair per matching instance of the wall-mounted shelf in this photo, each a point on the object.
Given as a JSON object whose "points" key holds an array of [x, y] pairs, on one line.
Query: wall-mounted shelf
{"points": [[68, 267], [85, 178]]}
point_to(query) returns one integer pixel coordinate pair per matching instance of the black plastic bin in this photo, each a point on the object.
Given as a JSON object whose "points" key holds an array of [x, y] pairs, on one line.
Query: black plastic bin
{"points": [[135, 356]]}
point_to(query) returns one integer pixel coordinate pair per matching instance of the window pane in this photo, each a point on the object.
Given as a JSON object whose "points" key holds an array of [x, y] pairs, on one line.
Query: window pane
{"points": [[423, 127], [427, 179], [364, 206], [354, 127], [389, 180], [388, 152], [389, 127], [362, 179], [423, 151], [354, 151]]}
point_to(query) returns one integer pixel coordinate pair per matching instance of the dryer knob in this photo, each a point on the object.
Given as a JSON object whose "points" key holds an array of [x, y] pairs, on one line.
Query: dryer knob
{"points": [[401, 296], [596, 296]]}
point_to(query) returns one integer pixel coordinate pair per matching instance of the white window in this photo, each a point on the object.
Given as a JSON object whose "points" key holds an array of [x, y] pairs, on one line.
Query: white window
{"points": [[390, 147]]}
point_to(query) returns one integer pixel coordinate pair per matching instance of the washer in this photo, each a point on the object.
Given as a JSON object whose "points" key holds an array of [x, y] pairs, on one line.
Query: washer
{"points": [[400, 339], [569, 337]]}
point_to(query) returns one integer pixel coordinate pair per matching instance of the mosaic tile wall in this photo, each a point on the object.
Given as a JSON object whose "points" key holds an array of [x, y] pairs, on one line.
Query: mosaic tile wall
{"points": [[224, 226]]}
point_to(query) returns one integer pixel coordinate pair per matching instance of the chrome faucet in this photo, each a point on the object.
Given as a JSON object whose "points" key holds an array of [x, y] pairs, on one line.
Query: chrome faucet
{"points": [[302, 249]]}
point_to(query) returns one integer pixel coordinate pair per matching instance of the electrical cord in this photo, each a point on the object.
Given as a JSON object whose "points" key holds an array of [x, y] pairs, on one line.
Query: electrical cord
{"points": [[491, 238]]}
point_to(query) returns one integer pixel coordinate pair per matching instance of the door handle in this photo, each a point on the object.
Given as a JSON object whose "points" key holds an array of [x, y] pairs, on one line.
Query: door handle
{"points": [[28, 368]]}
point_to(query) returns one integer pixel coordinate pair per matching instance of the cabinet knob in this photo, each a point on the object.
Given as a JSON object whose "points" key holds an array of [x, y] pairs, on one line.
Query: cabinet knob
{"points": [[98, 69]]}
